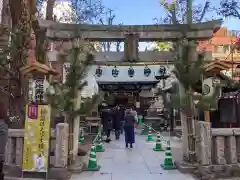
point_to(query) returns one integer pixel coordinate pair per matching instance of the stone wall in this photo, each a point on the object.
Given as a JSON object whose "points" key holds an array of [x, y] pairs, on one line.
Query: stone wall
{"points": [[218, 151], [58, 155]]}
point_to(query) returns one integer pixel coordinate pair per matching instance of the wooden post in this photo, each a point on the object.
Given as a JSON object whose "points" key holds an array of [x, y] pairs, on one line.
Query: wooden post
{"points": [[207, 116]]}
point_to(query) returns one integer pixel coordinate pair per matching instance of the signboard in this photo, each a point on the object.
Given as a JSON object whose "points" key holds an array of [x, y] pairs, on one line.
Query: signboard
{"points": [[137, 104], [36, 138]]}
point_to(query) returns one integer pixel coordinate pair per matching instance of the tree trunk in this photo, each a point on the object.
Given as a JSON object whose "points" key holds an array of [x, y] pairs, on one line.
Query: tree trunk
{"points": [[70, 139], [189, 111], [189, 12], [49, 10], [21, 12], [76, 123]]}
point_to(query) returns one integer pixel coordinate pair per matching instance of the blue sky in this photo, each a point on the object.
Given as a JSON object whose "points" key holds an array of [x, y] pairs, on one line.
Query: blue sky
{"points": [[144, 11]]}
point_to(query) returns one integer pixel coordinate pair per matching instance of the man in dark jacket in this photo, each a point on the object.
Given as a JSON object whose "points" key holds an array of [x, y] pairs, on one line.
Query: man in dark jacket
{"points": [[117, 121], [107, 119]]}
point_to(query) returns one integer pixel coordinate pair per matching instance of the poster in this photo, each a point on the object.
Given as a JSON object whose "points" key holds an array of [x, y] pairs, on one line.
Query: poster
{"points": [[137, 105], [36, 138]]}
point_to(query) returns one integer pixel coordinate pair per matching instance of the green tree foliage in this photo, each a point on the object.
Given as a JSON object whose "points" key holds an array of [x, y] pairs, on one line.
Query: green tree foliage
{"points": [[189, 70], [162, 46], [13, 56], [65, 94], [189, 66]]}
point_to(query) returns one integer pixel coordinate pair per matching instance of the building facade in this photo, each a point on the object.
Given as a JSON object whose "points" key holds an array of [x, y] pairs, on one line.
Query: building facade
{"points": [[220, 45]]}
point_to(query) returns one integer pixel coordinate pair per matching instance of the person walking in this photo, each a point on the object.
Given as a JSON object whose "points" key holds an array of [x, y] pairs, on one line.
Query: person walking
{"points": [[117, 118], [122, 114], [134, 113], [129, 122], [106, 116]]}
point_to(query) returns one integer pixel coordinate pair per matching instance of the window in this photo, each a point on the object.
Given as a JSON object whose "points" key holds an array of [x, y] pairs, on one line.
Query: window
{"points": [[221, 49], [226, 48], [218, 49]]}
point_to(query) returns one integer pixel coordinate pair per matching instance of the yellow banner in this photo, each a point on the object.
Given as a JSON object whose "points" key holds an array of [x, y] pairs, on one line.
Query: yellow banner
{"points": [[36, 138]]}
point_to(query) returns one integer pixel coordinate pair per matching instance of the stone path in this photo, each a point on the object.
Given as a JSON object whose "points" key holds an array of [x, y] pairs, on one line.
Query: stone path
{"points": [[139, 163]]}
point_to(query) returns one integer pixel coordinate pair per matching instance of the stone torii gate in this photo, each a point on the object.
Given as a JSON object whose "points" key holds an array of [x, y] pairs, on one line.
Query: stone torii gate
{"points": [[131, 36]]}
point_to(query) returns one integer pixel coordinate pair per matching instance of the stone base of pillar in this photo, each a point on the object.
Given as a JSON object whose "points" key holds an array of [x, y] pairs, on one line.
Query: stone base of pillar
{"points": [[59, 173], [217, 171], [185, 167], [77, 166], [12, 170], [15, 173]]}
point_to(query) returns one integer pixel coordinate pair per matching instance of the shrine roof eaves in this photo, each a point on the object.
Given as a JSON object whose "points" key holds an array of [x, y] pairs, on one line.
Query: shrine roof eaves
{"points": [[38, 67]]}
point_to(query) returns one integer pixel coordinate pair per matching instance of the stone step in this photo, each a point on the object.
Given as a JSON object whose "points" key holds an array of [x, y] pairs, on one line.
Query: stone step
{"points": [[16, 178]]}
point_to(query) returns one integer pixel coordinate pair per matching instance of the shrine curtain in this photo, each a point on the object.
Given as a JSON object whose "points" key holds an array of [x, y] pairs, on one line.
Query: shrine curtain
{"points": [[228, 110]]}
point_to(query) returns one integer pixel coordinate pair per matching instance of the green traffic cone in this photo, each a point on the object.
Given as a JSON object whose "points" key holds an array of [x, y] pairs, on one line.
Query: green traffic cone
{"points": [[149, 137], [81, 137], [143, 130], [92, 163], [99, 147], [140, 119], [168, 160], [158, 146]]}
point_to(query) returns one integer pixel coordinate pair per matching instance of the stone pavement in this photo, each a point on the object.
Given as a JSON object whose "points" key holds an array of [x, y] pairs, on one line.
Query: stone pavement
{"points": [[139, 163]]}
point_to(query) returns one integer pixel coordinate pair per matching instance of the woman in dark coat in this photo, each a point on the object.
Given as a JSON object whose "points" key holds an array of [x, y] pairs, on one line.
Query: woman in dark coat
{"points": [[129, 122], [107, 119]]}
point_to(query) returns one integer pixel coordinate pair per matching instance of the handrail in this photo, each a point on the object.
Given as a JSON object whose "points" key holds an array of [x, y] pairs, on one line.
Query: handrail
{"points": [[95, 139], [98, 134], [161, 137]]}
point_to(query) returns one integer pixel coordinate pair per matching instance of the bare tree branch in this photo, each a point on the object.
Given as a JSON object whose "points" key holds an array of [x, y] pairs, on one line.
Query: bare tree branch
{"points": [[108, 19], [178, 12], [230, 8], [205, 8]]}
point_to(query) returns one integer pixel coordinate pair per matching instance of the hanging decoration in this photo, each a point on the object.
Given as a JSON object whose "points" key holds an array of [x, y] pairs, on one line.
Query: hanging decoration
{"points": [[147, 71], [131, 72], [115, 71], [98, 71], [162, 71]]}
